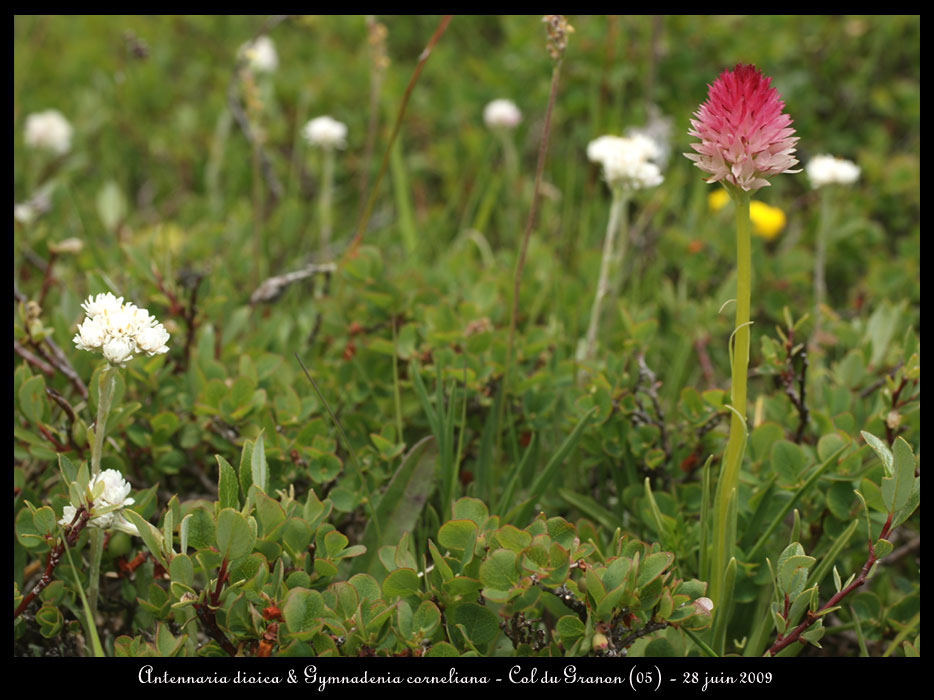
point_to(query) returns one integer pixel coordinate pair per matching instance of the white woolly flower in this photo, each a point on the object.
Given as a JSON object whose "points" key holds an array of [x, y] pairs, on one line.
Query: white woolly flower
{"points": [[119, 330], [96, 305], [502, 114], [828, 170], [153, 340], [325, 132], [91, 335], [48, 130], [109, 490], [261, 55], [118, 351], [627, 161]]}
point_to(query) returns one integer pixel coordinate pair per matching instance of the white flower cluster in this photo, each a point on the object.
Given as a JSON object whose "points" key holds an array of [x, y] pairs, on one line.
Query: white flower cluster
{"points": [[119, 330], [828, 170], [48, 130], [627, 161], [110, 492], [325, 132], [260, 55], [502, 114]]}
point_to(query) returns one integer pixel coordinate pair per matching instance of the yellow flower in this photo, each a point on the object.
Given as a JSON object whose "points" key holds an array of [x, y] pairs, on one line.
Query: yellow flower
{"points": [[767, 222]]}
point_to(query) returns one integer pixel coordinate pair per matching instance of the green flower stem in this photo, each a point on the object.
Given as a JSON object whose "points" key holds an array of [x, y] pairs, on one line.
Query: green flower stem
{"points": [[327, 196], [729, 473], [106, 382], [94, 576], [511, 161], [617, 266], [620, 200]]}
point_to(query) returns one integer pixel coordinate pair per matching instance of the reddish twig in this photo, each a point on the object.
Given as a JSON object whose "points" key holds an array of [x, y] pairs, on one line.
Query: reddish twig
{"points": [[32, 359], [54, 557], [206, 613], [812, 617]]}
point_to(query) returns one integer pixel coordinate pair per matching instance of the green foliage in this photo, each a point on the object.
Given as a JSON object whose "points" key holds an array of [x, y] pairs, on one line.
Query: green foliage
{"points": [[398, 506]]}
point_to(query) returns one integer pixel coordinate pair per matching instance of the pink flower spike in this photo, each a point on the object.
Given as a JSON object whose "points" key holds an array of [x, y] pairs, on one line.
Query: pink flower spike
{"points": [[744, 136]]}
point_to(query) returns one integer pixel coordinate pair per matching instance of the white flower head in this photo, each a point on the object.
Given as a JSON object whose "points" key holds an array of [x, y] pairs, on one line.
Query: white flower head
{"points": [[627, 161], [48, 130], [828, 170], [119, 330], [111, 492], [96, 305], [325, 132], [260, 55], [502, 114]]}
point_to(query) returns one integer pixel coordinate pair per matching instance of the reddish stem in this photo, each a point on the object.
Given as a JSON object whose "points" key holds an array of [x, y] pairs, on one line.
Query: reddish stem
{"points": [[811, 618], [54, 557]]}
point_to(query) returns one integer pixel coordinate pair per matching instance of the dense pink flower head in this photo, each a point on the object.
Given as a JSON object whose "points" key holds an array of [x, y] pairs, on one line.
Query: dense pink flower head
{"points": [[744, 136]]}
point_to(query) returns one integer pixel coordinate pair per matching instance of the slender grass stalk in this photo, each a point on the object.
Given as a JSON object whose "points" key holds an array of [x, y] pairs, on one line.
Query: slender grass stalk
{"points": [[520, 261], [371, 200], [729, 473], [401, 191], [620, 199], [96, 647], [905, 631]]}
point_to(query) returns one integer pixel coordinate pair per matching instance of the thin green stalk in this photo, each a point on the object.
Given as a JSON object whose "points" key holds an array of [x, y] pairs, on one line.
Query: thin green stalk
{"points": [[96, 646], [700, 643], [905, 631], [106, 382], [617, 266], [729, 473], [511, 160], [94, 576], [520, 261], [327, 196], [371, 200], [258, 242], [603, 287]]}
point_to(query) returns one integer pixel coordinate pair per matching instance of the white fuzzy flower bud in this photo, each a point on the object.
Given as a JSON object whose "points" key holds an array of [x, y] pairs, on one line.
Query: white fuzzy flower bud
{"points": [[502, 114], [829, 170], [325, 132], [91, 335], [260, 55], [48, 130]]}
